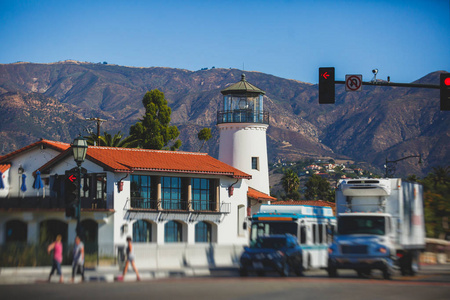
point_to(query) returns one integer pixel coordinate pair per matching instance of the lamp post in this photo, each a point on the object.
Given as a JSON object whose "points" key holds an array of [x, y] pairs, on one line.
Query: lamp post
{"points": [[391, 170], [79, 147]]}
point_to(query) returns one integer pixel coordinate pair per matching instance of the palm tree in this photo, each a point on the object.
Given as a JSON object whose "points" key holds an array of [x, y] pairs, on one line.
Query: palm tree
{"points": [[440, 175], [109, 140], [290, 181]]}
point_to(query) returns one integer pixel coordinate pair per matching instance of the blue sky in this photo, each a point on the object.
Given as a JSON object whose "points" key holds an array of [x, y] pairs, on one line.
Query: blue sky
{"points": [[291, 39]]}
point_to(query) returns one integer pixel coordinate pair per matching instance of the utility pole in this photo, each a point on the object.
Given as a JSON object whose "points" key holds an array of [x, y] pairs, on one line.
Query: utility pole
{"points": [[99, 122]]}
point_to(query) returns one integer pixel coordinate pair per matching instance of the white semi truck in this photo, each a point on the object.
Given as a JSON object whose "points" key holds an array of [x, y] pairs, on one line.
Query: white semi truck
{"points": [[380, 225]]}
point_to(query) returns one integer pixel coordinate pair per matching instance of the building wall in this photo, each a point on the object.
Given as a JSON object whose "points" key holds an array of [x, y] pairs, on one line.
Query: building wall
{"points": [[239, 142], [30, 161]]}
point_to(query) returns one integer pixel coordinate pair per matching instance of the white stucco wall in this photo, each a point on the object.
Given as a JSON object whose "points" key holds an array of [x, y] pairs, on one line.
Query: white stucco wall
{"points": [[30, 161], [239, 142]]}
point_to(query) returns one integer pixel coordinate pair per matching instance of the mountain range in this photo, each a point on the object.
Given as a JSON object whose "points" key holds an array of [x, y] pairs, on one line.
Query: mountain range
{"points": [[52, 101]]}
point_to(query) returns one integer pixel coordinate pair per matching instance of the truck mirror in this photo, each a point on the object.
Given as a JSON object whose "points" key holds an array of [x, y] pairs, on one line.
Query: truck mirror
{"points": [[244, 225]]}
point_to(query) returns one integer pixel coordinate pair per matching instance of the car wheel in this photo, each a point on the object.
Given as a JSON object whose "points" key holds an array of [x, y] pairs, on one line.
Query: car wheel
{"points": [[243, 272], [364, 273], [285, 270], [299, 269]]}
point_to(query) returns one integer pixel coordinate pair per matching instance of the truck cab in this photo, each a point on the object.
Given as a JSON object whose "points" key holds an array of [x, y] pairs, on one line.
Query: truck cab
{"points": [[380, 225], [363, 242]]}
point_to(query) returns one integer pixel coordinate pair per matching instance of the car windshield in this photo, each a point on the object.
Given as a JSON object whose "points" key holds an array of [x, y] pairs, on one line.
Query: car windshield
{"points": [[272, 243], [361, 225], [262, 228]]}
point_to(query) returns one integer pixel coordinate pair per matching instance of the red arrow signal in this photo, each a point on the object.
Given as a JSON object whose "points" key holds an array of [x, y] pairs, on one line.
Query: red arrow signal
{"points": [[326, 75], [72, 178]]}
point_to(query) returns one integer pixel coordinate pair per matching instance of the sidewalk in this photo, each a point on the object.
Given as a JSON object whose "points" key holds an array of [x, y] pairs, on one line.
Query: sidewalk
{"points": [[31, 275]]}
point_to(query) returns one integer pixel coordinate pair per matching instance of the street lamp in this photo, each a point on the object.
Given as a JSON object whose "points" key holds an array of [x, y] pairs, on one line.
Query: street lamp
{"points": [[79, 147], [390, 170]]}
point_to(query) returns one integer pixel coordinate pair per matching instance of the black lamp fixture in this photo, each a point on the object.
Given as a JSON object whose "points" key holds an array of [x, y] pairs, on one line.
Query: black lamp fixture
{"points": [[79, 147], [20, 170]]}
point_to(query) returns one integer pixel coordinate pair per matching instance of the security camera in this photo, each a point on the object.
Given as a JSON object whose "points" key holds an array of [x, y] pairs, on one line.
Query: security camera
{"points": [[375, 71]]}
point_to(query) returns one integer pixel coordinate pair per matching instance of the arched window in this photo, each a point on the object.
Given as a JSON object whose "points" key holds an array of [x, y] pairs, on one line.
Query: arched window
{"points": [[90, 236], [49, 229], [142, 231], [173, 232], [16, 231], [203, 232]]}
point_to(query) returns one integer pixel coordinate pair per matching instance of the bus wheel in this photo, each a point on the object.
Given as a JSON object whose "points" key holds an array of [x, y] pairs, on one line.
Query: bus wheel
{"points": [[332, 272], [299, 269]]}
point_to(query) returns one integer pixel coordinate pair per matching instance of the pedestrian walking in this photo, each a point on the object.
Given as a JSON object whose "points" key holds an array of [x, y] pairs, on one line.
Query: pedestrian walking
{"points": [[130, 259], [78, 259], [57, 248]]}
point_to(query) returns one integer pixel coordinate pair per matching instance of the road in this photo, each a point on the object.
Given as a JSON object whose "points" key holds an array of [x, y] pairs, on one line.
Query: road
{"points": [[433, 283]]}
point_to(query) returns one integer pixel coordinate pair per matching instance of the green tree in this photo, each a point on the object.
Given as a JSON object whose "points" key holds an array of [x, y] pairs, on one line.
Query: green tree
{"points": [[318, 188], [153, 130], [291, 183], [204, 135], [437, 206]]}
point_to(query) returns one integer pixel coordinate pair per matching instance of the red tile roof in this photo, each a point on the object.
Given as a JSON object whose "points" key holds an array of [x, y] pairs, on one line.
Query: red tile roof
{"points": [[129, 160], [45, 143], [255, 194], [4, 167]]}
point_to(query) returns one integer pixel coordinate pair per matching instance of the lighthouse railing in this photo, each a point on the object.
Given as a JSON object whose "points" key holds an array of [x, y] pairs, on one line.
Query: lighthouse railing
{"points": [[242, 116]]}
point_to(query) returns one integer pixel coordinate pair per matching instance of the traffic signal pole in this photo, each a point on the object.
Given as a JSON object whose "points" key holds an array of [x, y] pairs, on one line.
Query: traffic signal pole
{"points": [[388, 83], [327, 86]]}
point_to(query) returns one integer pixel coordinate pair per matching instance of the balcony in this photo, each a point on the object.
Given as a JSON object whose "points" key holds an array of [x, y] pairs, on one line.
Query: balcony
{"points": [[242, 116], [47, 203]]}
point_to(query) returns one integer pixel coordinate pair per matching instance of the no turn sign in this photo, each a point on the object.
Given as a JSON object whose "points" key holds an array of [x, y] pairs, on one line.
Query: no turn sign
{"points": [[353, 83]]}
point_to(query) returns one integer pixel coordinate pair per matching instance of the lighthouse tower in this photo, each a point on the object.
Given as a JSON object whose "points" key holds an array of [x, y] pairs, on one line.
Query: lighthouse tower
{"points": [[242, 123]]}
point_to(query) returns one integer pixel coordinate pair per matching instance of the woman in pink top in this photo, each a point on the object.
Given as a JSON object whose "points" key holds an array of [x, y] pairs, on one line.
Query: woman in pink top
{"points": [[57, 248]]}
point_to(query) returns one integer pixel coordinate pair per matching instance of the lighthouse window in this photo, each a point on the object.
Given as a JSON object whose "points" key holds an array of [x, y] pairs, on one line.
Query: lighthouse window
{"points": [[255, 163]]}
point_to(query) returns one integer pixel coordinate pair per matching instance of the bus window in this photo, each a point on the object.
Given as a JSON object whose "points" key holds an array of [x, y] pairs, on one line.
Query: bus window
{"points": [[314, 228], [302, 234], [320, 233], [330, 232]]}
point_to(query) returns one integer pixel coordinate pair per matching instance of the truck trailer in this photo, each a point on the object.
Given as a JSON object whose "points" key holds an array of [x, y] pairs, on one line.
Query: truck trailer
{"points": [[380, 225]]}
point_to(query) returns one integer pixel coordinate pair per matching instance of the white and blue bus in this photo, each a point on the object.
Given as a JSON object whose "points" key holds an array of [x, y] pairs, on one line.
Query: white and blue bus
{"points": [[312, 225]]}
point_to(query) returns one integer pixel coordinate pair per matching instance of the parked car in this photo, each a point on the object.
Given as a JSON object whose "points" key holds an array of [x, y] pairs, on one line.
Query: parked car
{"points": [[279, 253]]}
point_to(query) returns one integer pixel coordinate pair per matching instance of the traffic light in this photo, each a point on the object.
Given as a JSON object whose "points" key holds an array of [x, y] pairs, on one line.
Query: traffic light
{"points": [[445, 91], [71, 211], [326, 86], [71, 190]]}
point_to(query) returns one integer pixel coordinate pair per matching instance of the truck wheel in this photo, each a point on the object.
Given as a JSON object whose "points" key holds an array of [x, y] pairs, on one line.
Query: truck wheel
{"points": [[387, 273]]}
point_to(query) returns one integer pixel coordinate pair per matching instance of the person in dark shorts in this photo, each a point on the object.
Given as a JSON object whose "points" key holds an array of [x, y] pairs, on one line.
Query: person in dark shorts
{"points": [[130, 259]]}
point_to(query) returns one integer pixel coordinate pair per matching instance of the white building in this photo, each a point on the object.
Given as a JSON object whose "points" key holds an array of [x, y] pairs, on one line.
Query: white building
{"points": [[156, 197]]}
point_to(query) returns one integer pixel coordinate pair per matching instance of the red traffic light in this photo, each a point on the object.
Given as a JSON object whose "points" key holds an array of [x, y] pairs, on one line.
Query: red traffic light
{"points": [[447, 81], [72, 178]]}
